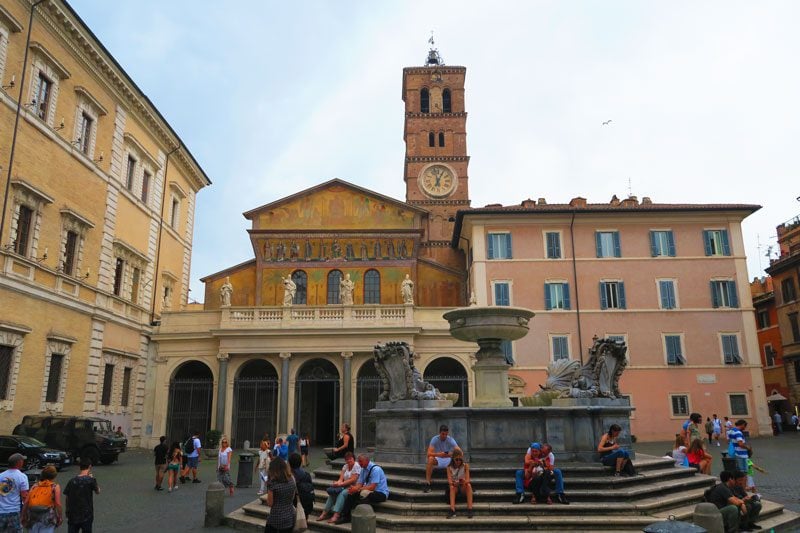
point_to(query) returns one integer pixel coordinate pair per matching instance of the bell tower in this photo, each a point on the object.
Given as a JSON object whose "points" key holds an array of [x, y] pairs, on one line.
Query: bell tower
{"points": [[435, 135]]}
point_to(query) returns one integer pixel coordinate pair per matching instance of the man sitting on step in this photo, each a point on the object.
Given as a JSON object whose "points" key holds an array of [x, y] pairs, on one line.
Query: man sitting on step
{"points": [[751, 501], [550, 462], [735, 514], [371, 487], [440, 451], [533, 455]]}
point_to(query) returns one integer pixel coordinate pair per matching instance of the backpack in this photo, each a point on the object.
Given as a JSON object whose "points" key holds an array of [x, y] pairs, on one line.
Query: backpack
{"points": [[188, 446], [42, 495]]}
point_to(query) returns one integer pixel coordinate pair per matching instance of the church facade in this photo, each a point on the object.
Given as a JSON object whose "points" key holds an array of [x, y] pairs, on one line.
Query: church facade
{"points": [[285, 339]]}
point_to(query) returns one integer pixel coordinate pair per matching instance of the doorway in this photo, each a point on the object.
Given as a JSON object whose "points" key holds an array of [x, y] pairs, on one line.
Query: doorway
{"points": [[317, 401]]}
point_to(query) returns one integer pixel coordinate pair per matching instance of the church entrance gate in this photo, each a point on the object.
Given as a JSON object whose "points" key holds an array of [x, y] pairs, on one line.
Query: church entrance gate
{"points": [[317, 401], [255, 401], [190, 398], [368, 388]]}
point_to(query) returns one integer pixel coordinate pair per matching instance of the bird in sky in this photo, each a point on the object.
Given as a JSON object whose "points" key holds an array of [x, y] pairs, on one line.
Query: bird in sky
{"points": [[607, 122]]}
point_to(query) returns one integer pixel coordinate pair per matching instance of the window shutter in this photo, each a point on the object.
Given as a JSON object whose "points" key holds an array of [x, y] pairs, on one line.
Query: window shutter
{"points": [[653, 244], [617, 249], [726, 247], [621, 294], [508, 246], [714, 295], [565, 287], [598, 244], [548, 299], [671, 243], [490, 246], [707, 241], [603, 300], [662, 292], [733, 298]]}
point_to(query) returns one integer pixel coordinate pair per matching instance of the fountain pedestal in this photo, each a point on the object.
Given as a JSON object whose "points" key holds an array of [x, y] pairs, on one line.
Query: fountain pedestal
{"points": [[491, 376]]}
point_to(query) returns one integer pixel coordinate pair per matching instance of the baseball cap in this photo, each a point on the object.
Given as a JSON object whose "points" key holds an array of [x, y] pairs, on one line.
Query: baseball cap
{"points": [[16, 457], [536, 446]]}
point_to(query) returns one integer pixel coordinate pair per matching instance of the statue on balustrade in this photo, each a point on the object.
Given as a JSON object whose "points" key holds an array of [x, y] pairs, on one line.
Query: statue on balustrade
{"points": [[267, 251], [289, 290], [323, 250], [377, 249], [346, 287], [407, 290], [225, 293], [390, 249], [294, 250], [598, 378], [363, 251], [348, 251], [402, 250], [336, 249], [394, 362], [309, 250], [280, 251]]}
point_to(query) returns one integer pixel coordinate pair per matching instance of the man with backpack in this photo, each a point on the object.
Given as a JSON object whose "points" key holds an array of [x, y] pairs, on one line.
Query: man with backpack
{"points": [[13, 491], [191, 449]]}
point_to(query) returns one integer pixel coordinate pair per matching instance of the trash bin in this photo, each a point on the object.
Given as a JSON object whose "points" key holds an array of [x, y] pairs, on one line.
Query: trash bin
{"points": [[673, 526], [244, 478], [728, 463]]}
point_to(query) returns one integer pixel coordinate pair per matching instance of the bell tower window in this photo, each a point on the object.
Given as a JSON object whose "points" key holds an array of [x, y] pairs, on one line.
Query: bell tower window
{"points": [[424, 101], [441, 138], [431, 139], [447, 107]]}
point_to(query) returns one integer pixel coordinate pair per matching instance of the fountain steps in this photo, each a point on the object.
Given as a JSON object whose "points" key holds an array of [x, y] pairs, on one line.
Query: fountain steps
{"points": [[599, 501]]}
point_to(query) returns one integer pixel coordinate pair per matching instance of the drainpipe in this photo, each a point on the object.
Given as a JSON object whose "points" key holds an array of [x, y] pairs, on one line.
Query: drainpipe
{"points": [[16, 118], [575, 281], [469, 268], [158, 241]]}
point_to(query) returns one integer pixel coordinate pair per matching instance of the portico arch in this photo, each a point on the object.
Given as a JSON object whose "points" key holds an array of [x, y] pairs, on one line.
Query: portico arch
{"points": [[317, 401], [255, 402], [449, 375], [190, 397], [368, 387]]}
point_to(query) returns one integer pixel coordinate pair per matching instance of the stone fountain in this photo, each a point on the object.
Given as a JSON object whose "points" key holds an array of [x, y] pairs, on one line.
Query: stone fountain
{"points": [[409, 410]]}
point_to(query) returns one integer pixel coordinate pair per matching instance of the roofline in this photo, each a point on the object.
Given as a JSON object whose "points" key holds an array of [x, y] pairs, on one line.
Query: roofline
{"points": [[248, 214], [110, 56], [461, 213], [229, 269]]}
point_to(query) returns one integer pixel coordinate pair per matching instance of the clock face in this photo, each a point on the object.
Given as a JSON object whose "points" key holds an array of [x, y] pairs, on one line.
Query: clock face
{"points": [[438, 181]]}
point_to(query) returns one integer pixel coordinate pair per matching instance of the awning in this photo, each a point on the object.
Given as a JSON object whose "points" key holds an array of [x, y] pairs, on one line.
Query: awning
{"points": [[776, 397]]}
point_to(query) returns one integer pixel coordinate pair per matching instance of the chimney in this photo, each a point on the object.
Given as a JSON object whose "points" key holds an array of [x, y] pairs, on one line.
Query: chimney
{"points": [[577, 202], [646, 200], [493, 205], [542, 201], [614, 200], [528, 203], [630, 201]]}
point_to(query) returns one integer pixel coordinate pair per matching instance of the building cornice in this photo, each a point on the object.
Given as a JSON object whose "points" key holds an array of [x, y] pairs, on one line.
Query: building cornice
{"points": [[13, 24]]}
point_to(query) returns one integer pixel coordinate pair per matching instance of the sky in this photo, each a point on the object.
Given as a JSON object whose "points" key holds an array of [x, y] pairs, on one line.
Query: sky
{"points": [[274, 97]]}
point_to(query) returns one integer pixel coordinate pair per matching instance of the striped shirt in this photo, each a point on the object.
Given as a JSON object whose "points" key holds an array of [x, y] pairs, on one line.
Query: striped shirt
{"points": [[736, 435]]}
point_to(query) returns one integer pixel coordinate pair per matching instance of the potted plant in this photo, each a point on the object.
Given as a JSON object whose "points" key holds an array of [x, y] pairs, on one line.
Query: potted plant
{"points": [[212, 442]]}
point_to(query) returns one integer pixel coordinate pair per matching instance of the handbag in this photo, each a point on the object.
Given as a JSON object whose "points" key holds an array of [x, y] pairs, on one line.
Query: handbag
{"points": [[334, 491], [300, 522]]}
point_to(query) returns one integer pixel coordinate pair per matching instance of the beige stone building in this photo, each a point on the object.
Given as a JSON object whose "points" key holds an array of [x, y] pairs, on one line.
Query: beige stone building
{"points": [[97, 223]]}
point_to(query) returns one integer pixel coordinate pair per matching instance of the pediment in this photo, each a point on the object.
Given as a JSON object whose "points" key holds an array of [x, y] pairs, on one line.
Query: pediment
{"points": [[336, 204]]}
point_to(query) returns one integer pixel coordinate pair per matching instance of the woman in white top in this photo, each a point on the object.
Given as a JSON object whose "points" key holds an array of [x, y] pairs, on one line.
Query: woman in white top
{"points": [[305, 443], [679, 453], [337, 492], [224, 464], [458, 481], [262, 466]]}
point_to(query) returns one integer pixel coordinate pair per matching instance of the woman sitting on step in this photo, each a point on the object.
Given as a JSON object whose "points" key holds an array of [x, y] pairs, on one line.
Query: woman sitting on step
{"points": [[698, 457], [612, 454], [337, 492], [458, 481]]}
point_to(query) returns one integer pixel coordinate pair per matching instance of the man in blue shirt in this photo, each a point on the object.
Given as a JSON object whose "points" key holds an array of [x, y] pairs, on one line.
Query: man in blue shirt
{"points": [[371, 487], [281, 449], [440, 450], [291, 441], [13, 491], [739, 445]]}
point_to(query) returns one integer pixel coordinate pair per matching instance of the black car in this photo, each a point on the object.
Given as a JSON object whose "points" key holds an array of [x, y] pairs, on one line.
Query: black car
{"points": [[85, 437], [37, 452]]}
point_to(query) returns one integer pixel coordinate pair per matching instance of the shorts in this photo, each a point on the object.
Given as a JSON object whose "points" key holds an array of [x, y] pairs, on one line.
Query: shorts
{"points": [[303, 450], [161, 468], [192, 462], [442, 462], [751, 482], [10, 522], [175, 467]]}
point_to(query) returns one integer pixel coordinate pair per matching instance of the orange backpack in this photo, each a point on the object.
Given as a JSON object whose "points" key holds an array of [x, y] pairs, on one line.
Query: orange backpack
{"points": [[42, 494]]}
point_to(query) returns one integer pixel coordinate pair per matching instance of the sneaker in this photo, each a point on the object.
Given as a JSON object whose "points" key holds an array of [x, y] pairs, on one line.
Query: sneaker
{"points": [[183, 479], [427, 489], [519, 498], [195, 480], [616, 474], [158, 488], [469, 513], [562, 499], [451, 514], [170, 489], [754, 527], [717, 443]]}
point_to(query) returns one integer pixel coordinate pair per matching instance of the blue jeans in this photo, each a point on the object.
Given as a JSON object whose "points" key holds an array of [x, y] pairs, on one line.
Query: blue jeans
{"points": [[611, 458], [519, 477], [741, 464]]}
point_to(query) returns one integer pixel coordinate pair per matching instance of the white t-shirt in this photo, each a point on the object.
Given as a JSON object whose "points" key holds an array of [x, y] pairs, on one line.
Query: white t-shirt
{"points": [[679, 455], [223, 456], [197, 446], [303, 442], [12, 481], [355, 471], [263, 459]]}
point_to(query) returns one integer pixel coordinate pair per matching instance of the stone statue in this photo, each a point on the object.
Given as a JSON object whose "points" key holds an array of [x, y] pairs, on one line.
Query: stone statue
{"points": [[394, 362], [267, 251], [289, 290], [363, 251], [407, 290], [473, 300], [390, 249], [225, 292], [165, 303], [280, 251], [309, 250], [348, 251], [346, 287], [598, 378], [402, 251], [294, 250], [336, 249], [323, 250], [377, 250]]}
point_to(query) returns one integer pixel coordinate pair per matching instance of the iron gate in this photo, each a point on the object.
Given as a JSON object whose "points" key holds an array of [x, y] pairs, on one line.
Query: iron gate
{"points": [[367, 391], [254, 404], [317, 405], [189, 408], [452, 383]]}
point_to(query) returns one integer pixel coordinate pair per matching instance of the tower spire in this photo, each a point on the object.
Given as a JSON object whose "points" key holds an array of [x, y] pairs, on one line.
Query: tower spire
{"points": [[433, 54]]}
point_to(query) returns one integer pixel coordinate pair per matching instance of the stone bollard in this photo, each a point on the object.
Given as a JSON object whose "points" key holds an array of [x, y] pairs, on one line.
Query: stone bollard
{"points": [[215, 504], [708, 516], [363, 519]]}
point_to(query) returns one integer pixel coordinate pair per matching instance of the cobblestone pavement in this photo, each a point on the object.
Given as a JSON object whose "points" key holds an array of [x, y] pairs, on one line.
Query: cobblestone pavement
{"points": [[128, 502], [779, 456]]}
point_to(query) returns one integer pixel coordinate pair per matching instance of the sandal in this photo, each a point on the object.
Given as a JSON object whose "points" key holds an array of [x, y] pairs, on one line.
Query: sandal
{"points": [[533, 500], [549, 501], [322, 516], [335, 519]]}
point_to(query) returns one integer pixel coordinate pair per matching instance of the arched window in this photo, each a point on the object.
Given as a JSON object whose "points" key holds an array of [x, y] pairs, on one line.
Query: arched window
{"points": [[372, 287], [334, 278], [301, 280], [447, 107], [441, 138], [424, 101], [431, 139]]}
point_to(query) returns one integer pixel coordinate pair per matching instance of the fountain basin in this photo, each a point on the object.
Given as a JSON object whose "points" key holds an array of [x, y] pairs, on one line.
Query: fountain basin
{"points": [[472, 324]]}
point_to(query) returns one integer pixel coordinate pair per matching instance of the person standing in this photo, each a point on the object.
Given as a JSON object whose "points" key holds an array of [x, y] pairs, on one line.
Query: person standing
{"points": [[191, 449], [80, 492], [693, 430], [13, 491], [42, 507], [281, 489], [263, 465], [717, 428], [291, 441], [741, 450], [305, 485], [224, 464], [160, 453], [305, 443], [440, 450], [778, 419], [174, 466], [709, 430], [280, 449]]}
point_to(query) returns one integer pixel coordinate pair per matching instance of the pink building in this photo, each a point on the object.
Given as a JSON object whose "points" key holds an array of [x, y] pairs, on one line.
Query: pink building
{"points": [[669, 279]]}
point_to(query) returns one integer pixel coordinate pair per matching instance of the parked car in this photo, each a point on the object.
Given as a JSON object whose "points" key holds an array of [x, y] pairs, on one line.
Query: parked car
{"points": [[85, 437], [37, 452]]}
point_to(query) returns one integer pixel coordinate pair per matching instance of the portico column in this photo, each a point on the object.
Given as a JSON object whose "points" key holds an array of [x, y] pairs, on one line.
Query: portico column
{"points": [[283, 412], [347, 394], [222, 390]]}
